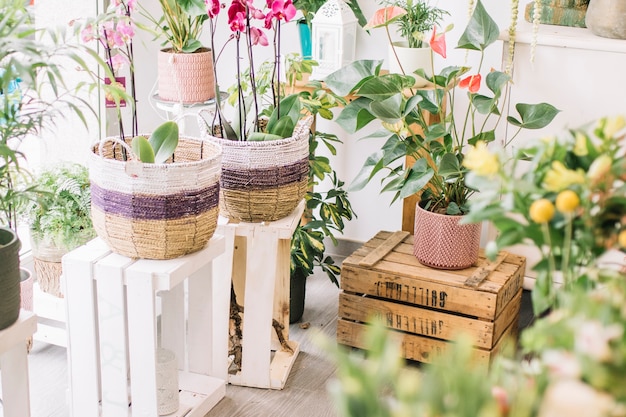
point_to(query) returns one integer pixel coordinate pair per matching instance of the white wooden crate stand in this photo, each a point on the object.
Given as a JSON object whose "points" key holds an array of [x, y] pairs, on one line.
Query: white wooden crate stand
{"points": [[112, 330], [257, 258], [14, 365]]}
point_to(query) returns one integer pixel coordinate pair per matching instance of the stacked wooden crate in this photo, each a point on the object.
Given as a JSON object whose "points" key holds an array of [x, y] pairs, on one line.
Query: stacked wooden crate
{"points": [[426, 307]]}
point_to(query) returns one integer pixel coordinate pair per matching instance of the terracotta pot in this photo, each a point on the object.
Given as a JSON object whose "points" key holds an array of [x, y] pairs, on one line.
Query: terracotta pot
{"points": [[441, 241], [607, 18], [411, 60], [186, 78]]}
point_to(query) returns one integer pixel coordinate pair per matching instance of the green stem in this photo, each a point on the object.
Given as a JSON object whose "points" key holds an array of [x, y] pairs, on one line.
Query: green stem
{"points": [[551, 263], [567, 248]]}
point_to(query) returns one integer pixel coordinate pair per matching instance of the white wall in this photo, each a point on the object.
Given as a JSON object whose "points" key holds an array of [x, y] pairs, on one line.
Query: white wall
{"points": [[373, 210]]}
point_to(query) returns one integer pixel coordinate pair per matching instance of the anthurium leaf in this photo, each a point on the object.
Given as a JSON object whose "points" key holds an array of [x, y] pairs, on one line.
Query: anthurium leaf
{"points": [[192, 7], [534, 116], [355, 115], [164, 140], [481, 30], [449, 165], [346, 79], [191, 46], [387, 110], [435, 132], [495, 80], [368, 170], [453, 209], [393, 149], [484, 104], [488, 136], [383, 87], [411, 104], [143, 149], [419, 176], [430, 100]]}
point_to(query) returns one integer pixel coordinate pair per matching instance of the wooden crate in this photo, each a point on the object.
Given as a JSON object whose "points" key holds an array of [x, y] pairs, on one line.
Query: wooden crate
{"points": [[428, 307]]}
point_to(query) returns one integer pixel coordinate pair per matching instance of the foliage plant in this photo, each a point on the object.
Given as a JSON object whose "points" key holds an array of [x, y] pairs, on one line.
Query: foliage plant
{"points": [[414, 20], [62, 214], [34, 96], [407, 129], [565, 195], [310, 7], [180, 24]]}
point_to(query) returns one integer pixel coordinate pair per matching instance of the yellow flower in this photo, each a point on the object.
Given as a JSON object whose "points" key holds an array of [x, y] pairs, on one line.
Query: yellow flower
{"points": [[612, 125], [599, 168], [559, 177], [541, 211], [480, 160], [567, 201], [580, 147], [621, 238]]}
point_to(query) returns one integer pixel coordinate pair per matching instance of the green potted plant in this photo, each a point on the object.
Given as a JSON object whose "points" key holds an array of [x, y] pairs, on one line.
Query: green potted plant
{"points": [[185, 66], [29, 58], [438, 148], [415, 19], [59, 220]]}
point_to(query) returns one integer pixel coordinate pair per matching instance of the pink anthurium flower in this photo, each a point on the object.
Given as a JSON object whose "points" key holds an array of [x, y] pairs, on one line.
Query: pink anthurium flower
{"points": [[385, 16], [438, 42], [472, 83]]}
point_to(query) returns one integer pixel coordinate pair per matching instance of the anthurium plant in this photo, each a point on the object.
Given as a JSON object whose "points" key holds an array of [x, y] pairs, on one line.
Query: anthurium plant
{"points": [[422, 123]]}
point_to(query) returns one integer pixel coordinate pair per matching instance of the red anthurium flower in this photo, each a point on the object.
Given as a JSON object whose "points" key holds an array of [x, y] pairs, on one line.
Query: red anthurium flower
{"points": [[257, 37], [213, 7], [472, 83], [438, 42], [385, 16]]}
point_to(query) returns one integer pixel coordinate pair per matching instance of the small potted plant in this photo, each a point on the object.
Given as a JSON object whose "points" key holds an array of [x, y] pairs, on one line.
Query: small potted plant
{"points": [[415, 20], [438, 149], [185, 66], [59, 220]]}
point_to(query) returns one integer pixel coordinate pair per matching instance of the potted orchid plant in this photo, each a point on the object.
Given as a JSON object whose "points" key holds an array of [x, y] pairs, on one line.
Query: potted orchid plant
{"points": [[436, 149]]}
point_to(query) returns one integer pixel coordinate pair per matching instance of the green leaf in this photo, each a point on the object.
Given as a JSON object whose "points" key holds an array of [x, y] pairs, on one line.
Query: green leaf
{"points": [[495, 80], [449, 166], [393, 149], [289, 107], [369, 169], [142, 149], [385, 86], [192, 46], [419, 176], [355, 115], [346, 79], [164, 141], [260, 136], [284, 127], [488, 136], [481, 31], [192, 7], [534, 116], [387, 110]]}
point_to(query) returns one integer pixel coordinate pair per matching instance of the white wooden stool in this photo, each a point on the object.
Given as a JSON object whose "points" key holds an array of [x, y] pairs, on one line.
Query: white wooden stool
{"points": [[112, 330], [14, 365], [257, 258]]}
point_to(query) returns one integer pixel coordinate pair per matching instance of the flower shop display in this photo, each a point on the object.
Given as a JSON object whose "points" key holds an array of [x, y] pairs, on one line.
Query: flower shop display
{"points": [[151, 198], [33, 97], [59, 220], [265, 143], [564, 195], [437, 148], [414, 20], [184, 66]]}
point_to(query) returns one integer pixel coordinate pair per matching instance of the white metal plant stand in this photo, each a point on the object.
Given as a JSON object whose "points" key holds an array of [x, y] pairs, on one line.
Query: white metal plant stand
{"points": [[112, 330]]}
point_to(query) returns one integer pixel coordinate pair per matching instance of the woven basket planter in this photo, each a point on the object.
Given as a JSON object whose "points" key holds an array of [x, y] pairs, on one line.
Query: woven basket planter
{"points": [[264, 181], [155, 211], [186, 78], [9, 277], [442, 242]]}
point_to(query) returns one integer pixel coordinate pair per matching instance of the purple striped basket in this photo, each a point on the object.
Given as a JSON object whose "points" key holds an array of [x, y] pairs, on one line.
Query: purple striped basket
{"points": [[263, 180], [155, 211]]}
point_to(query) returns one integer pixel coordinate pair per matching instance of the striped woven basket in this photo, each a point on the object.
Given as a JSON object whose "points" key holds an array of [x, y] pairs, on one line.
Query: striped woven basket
{"points": [[155, 211], [263, 181]]}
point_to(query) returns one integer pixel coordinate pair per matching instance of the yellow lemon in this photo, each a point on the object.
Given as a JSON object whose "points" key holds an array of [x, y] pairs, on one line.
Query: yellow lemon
{"points": [[541, 211], [567, 201], [621, 238]]}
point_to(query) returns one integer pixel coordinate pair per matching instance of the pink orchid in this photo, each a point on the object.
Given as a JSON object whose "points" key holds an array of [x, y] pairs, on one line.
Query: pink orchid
{"points": [[385, 16], [283, 10], [472, 83], [237, 16], [257, 37], [438, 42], [117, 61], [125, 29], [86, 34], [213, 7]]}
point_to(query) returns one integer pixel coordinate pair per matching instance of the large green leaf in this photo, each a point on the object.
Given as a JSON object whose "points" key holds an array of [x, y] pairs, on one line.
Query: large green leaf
{"points": [[534, 116], [419, 176], [371, 166], [393, 149], [387, 110], [346, 79], [191, 46], [481, 30], [495, 80], [355, 115], [164, 141], [290, 107], [142, 149], [193, 7], [449, 166], [383, 87]]}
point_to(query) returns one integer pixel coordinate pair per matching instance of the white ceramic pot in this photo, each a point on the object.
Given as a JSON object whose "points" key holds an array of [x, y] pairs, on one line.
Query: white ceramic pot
{"points": [[409, 60]]}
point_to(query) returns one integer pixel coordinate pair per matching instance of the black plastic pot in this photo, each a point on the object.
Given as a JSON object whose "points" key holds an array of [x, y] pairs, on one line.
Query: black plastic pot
{"points": [[297, 294], [9, 277]]}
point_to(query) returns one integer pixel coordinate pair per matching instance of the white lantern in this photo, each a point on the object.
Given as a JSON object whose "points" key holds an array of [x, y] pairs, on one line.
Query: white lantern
{"points": [[333, 38]]}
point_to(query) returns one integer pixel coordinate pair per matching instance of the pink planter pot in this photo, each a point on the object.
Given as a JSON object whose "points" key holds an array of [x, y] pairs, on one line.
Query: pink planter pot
{"points": [[186, 78], [441, 242], [26, 289]]}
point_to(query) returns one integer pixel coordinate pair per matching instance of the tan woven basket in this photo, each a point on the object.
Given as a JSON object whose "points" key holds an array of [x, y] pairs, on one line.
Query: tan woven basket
{"points": [[155, 211], [263, 181], [442, 242]]}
